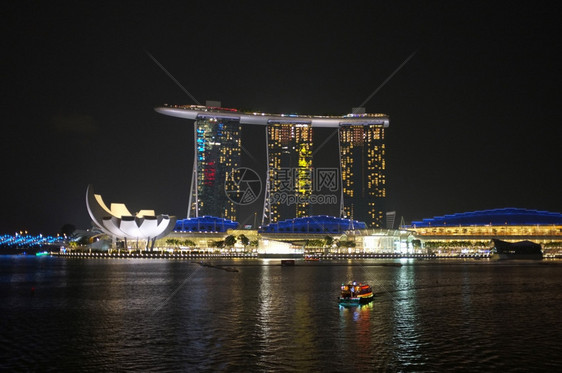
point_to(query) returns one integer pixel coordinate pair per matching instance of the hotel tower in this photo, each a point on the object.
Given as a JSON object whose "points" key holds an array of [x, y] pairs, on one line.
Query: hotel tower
{"points": [[217, 155], [289, 187], [289, 166], [363, 173]]}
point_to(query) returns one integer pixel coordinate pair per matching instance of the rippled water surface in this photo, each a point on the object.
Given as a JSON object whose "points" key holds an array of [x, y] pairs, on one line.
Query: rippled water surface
{"points": [[171, 315]]}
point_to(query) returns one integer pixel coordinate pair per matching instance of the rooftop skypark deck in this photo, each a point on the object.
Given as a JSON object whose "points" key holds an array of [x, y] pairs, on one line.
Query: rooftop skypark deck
{"points": [[198, 111]]}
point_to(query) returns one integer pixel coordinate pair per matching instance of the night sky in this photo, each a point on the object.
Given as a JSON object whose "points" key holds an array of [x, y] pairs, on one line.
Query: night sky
{"points": [[475, 114]]}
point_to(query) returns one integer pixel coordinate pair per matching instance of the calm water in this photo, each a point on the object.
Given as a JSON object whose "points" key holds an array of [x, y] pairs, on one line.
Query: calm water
{"points": [[167, 315]]}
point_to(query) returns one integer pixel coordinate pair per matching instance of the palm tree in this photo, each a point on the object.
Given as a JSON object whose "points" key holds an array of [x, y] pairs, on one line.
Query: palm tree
{"points": [[245, 240], [229, 241], [189, 243]]}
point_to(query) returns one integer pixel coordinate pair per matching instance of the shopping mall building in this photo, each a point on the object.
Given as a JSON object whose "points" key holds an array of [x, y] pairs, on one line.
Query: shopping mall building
{"points": [[460, 234], [471, 233]]}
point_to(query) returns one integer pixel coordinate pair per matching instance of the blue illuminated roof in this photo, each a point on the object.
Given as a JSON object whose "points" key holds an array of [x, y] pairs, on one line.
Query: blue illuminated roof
{"points": [[313, 224], [505, 216], [205, 224]]}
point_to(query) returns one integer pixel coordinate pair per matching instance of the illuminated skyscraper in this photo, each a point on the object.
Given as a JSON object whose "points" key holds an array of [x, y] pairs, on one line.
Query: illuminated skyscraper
{"points": [[289, 170], [292, 184], [363, 170], [217, 155]]}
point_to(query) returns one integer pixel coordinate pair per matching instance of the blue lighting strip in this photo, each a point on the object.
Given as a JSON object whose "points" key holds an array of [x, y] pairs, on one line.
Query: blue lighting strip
{"points": [[314, 224], [506, 216], [29, 240]]}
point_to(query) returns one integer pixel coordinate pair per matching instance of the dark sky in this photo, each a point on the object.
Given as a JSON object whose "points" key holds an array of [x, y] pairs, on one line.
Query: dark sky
{"points": [[475, 114]]}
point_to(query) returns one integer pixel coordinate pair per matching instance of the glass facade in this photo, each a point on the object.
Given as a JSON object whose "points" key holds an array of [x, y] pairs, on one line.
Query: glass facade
{"points": [[289, 170], [217, 142], [314, 224], [205, 224], [363, 170]]}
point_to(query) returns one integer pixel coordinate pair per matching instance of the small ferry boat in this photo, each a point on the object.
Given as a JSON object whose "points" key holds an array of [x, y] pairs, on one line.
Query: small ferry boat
{"points": [[355, 293]]}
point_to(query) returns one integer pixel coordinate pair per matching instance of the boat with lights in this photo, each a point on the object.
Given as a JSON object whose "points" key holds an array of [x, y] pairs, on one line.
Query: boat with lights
{"points": [[355, 293]]}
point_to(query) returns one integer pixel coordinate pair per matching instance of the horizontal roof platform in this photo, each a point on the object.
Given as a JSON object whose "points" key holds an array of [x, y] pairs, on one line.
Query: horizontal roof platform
{"points": [[194, 112]]}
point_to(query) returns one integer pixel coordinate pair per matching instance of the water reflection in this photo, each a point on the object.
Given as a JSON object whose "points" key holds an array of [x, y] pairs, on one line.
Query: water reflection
{"points": [[358, 312], [466, 294], [98, 315], [264, 311], [406, 335]]}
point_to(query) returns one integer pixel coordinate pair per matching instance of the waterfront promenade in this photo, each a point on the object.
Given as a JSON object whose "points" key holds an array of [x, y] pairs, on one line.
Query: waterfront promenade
{"points": [[196, 256]]}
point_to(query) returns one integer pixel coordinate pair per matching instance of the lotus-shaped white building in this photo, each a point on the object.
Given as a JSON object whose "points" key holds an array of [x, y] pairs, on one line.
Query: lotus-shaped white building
{"points": [[118, 222]]}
